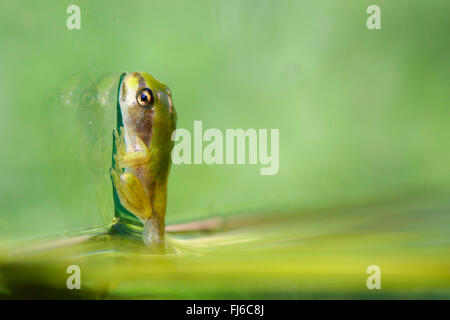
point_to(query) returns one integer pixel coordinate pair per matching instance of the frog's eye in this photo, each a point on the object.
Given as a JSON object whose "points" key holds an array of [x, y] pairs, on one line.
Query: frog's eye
{"points": [[145, 98]]}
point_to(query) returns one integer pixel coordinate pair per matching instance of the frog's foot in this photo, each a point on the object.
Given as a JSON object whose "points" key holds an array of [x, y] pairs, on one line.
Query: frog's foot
{"points": [[130, 159], [131, 194]]}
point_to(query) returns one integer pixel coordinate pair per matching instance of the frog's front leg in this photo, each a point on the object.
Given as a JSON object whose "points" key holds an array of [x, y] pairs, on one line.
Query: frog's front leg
{"points": [[130, 159]]}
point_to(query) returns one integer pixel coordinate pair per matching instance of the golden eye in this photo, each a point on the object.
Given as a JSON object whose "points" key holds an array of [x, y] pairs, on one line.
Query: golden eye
{"points": [[145, 98]]}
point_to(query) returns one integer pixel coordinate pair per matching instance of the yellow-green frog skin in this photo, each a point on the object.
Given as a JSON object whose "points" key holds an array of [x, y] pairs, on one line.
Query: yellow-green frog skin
{"points": [[143, 148]]}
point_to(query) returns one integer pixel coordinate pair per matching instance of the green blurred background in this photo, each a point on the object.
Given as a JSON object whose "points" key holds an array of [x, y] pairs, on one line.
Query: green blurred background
{"points": [[362, 114], [364, 144]]}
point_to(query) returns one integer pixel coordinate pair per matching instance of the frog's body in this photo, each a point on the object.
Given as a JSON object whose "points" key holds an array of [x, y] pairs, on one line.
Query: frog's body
{"points": [[143, 148]]}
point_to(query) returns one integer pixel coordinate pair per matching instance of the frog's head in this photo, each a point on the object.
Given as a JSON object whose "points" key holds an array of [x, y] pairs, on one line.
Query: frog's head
{"points": [[144, 102]]}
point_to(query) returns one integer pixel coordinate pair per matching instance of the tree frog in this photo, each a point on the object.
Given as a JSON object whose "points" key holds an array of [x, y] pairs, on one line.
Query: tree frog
{"points": [[142, 151]]}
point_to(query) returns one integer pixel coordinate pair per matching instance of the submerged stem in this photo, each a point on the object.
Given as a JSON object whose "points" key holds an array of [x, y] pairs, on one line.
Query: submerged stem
{"points": [[153, 233]]}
